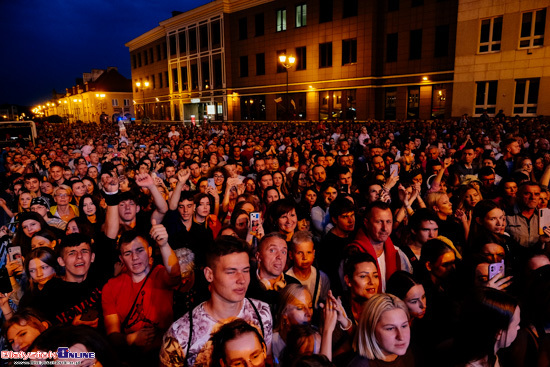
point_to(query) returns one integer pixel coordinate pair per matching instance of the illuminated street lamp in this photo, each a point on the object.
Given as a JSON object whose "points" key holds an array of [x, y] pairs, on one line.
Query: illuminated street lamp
{"points": [[101, 97], [287, 62], [145, 85]]}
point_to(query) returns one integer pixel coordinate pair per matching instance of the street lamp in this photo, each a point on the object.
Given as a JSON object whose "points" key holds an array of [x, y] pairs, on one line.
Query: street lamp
{"points": [[101, 97], [145, 85], [287, 62]]}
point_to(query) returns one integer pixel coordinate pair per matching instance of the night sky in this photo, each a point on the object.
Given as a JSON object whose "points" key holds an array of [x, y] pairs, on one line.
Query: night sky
{"points": [[46, 45]]}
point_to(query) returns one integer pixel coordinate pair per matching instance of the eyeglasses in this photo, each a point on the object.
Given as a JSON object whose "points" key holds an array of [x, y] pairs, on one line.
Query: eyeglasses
{"points": [[255, 359], [218, 176], [61, 195]]}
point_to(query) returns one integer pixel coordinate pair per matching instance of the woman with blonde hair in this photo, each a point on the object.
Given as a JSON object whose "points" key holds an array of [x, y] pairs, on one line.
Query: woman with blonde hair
{"points": [[63, 195], [468, 199], [383, 333]]}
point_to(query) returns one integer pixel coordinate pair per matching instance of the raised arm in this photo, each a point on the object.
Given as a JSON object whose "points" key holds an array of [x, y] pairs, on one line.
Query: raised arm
{"points": [[183, 176], [169, 259], [161, 207], [112, 220]]}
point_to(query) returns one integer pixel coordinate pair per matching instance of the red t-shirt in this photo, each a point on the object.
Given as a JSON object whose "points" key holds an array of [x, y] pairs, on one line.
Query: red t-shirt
{"points": [[153, 307]]}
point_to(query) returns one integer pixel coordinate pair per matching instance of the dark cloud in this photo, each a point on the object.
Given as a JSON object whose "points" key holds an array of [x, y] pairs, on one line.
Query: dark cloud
{"points": [[47, 44]]}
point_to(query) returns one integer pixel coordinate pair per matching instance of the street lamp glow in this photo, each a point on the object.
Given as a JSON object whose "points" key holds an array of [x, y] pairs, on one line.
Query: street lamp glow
{"points": [[146, 84], [138, 84]]}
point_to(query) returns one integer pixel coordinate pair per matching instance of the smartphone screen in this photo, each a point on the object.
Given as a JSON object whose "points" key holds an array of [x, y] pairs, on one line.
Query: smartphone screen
{"points": [[254, 221], [14, 253], [394, 168]]}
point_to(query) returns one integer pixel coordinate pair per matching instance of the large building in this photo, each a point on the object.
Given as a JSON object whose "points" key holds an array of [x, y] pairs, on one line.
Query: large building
{"points": [[353, 60], [502, 58], [102, 95]]}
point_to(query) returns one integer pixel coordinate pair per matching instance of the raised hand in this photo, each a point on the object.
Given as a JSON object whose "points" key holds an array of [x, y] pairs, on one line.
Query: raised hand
{"points": [[144, 180]]}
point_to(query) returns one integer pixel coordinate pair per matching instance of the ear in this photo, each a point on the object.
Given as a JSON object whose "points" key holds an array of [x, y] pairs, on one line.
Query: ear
{"points": [[92, 258], [45, 323], [60, 261], [138, 208], [52, 244], [150, 250], [478, 221], [209, 274], [429, 266], [121, 259], [257, 256], [346, 279], [499, 335], [435, 208]]}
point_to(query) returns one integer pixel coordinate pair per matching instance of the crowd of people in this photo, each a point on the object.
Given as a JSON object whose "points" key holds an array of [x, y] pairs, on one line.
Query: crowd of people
{"points": [[403, 243]]}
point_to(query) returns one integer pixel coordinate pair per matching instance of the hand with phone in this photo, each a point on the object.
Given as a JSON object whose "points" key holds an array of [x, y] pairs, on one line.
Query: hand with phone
{"points": [[497, 278]]}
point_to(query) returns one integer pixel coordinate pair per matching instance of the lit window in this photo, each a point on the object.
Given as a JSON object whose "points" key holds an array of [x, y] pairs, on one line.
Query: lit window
{"points": [[281, 20], [349, 51], [301, 15], [486, 97], [490, 35], [526, 97], [532, 29], [115, 102]]}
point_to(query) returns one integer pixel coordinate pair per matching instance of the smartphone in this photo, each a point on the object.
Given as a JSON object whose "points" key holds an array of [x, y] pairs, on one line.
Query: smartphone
{"points": [[394, 167], [211, 182], [254, 221], [14, 253], [496, 268], [344, 188]]}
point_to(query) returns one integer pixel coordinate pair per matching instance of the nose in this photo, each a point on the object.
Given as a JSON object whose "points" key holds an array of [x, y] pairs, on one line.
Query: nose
{"points": [[240, 279], [39, 272], [79, 254], [369, 280], [16, 345], [399, 334], [422, 305]]}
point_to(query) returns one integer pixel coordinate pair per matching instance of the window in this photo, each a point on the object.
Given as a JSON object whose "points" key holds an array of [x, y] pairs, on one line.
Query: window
{"points": [[217, 66], [243, 66], [280, 67], [203, 37], [393, 5], [301, 15], [215, 33], [325, 55], [350, 8], [172, 40], [243, 29], [325, 11], [153, 82], [115, 102], [151, 56], [126, 102], [134, 61], [439, 99], [349, 51], [259, 24], [139, 59], [281, 20], [175, 80], [145, 58], [183, 43], [194, 76], [301, 58], [391, 47], [165, 49], [490, 35], [532, 29], [413, 103], [486, 97], [390, 107], [193, 40], [160, 80], [183, 75], [526, 98], [253, 108], [441, 41], [159, 53], [205, 73], [415, 51], [260, 64]]}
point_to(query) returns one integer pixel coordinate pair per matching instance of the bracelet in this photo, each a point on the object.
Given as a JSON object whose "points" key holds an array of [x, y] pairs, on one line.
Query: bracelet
{"points": [[349, 327]]}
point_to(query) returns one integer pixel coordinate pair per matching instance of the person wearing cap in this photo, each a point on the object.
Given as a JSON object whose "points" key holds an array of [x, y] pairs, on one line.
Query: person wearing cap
{"points": [[41, 206]]}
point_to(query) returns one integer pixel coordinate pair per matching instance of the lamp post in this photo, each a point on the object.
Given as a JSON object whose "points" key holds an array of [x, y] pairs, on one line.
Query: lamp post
{"points": [[287, 62], [145, 85], [101, 97]]}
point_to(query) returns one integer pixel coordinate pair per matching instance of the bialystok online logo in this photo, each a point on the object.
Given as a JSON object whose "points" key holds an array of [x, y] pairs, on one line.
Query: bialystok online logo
{"points": [[62, 353]]}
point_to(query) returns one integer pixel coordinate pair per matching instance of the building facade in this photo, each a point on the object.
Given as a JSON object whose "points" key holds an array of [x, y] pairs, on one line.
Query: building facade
{"points": [[502, 58], [101, 96]]}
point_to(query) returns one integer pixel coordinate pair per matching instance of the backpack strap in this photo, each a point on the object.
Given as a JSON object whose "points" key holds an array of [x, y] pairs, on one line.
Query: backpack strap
{"points": [[316, 291], [186, 362], [257, 315]]}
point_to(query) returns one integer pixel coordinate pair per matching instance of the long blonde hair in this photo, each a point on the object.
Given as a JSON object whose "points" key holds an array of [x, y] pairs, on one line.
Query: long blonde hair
{"points": [[365, 342]]}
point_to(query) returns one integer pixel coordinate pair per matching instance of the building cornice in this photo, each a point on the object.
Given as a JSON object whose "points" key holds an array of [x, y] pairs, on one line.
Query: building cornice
{"points": [[146, 38]]}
